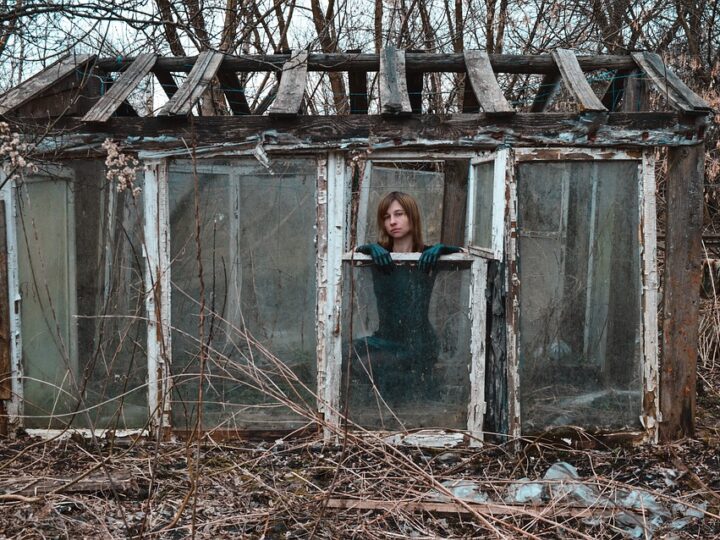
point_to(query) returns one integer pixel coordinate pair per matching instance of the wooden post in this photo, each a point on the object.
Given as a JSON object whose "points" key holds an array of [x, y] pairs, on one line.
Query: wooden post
{"points": [[681, 299], [5, 353]]}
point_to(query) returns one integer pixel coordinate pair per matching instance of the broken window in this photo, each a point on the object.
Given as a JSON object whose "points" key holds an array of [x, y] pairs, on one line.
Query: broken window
{"points": [[82, 311], [251, 274], [580, 328]]}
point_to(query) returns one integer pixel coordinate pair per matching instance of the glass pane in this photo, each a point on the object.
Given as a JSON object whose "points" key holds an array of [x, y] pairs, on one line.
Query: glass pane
{"points": [[409, 337], [484, 184], [256, 254], [580, 289], [82, 314], [423, 180]]}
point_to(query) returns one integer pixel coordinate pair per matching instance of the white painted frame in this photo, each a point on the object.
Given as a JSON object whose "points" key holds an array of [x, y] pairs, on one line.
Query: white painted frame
{"points": [[499, 159], [15, 406], [156, 227], [650, 413]]}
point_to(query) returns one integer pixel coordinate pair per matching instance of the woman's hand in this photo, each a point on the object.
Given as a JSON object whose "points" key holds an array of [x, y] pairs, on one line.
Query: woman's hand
{"points": [[430, 256], [380, 256]]}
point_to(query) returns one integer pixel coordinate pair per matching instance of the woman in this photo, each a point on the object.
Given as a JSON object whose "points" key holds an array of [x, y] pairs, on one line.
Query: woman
{"points": [[400, 355]]}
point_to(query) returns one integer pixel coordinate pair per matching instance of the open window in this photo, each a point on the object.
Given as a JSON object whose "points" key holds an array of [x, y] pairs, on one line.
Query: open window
{"points": [[414, 343]]}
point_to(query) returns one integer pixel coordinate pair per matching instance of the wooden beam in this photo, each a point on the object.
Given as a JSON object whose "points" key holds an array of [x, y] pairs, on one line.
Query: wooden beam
{"points": [[635, 130], [549, 86], [121, 88], [292, 86], [681, 298], [234, 91], [678, 94], [576, 82], [427, 62], [392, 79], [481, 77], [167, 82], [198, 81], [41, 82]]}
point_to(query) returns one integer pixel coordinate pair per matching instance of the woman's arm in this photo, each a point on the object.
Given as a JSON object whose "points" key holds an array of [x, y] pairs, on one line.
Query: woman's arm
{"points": [[429, 257], [380, 256]]}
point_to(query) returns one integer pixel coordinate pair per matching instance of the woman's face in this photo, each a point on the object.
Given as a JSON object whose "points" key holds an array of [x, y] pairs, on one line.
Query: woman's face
{"points": [[397, 223]]}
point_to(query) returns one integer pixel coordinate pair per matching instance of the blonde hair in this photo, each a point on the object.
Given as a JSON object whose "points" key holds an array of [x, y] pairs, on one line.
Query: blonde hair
{"points": [[408, 203]]}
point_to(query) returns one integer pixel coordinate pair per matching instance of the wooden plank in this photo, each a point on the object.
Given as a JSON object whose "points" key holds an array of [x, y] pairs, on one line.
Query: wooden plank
{"points": [[5, 351], [681, 298], [198, 81], [427, 62], [121, 88], [576, 82], [469, 131], [121, 482], [39, 83], [292, 86], [488, 508], [394, 98], [482, 79], [167, 82], [669, 84], [234, 91], [357, 83], [549, 86]]}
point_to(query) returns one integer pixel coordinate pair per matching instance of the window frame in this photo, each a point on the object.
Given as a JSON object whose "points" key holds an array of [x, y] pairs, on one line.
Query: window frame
{"points": [[645, 160]]}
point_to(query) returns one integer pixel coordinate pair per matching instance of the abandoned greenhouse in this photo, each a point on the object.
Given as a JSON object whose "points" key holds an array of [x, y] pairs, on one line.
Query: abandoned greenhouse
{"points": [[195, 271]]}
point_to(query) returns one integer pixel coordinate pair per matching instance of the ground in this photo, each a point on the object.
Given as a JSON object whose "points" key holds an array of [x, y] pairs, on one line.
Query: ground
{"points": [[292, 489]]}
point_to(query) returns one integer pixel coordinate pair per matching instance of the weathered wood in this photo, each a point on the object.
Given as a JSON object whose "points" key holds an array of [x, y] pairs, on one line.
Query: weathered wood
{"points": [[392, 80], [681, 295], [669, 83], [122, 482], [357, 84], [197, 82], [39, 83], [488, 508], [5, 353], [121, 88], [234, 91], [167, 81], [576, 82], [454, 198], [549, 86], [469, 131], [427, 62], [292, 86], [481, 77], [415, 81]]}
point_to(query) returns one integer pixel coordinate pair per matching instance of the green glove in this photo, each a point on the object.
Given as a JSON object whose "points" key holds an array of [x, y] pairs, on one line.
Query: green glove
{"points": [[380, 256], [429, 258]]}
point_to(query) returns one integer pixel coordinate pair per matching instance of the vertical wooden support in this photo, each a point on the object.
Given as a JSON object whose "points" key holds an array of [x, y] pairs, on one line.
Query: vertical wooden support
{"points": [[12, 405], [651, 378], [512, 307], [455, 192], [157, 295], [330, 244], [478, 325], [357, 83], [5, 336], [635, 93], [681, 299]]}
